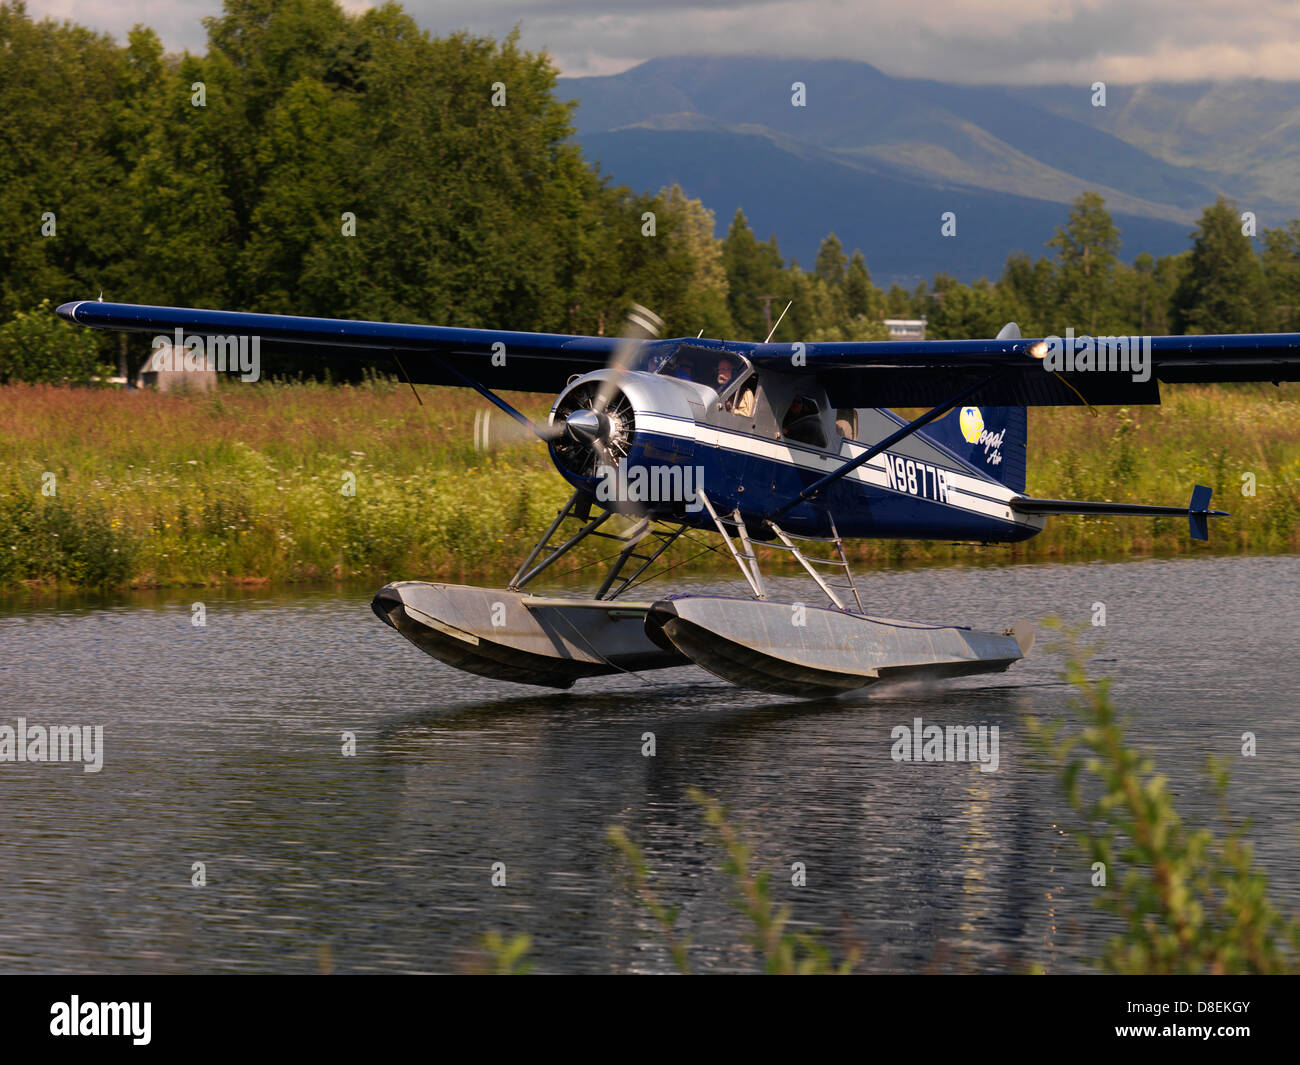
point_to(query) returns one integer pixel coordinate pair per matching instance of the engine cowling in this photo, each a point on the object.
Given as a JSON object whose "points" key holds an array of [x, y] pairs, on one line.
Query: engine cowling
{"points": [[648, 422]]}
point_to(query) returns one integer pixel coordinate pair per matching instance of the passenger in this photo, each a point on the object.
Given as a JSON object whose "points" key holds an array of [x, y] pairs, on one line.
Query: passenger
{"points": [[742, 403]]}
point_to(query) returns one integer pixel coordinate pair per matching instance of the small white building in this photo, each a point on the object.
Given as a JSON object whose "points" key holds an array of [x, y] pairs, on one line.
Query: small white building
{"points": [[906, 328], [173, 380]]}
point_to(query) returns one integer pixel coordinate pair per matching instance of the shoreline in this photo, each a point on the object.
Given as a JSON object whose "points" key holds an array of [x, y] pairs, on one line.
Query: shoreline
{"points": [[36, 593]]}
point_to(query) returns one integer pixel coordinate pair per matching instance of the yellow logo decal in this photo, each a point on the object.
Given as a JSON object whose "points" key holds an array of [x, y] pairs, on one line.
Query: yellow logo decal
{"points": [[972, 424]]}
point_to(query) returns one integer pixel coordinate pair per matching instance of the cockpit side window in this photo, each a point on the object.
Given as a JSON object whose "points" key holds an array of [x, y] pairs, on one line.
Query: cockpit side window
{"points": [[803, 423]]}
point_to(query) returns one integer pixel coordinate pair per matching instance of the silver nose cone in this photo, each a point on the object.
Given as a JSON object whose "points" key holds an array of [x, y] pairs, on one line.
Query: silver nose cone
{"points": [[586, 425]]}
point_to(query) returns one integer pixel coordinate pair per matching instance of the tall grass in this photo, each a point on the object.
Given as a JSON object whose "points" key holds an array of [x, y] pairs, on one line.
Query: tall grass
{"points": [[1199, 434], [244, 485]]}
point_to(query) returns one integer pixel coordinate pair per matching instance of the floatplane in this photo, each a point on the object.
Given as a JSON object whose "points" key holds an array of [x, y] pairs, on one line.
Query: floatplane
{"points": [[771, 446]]}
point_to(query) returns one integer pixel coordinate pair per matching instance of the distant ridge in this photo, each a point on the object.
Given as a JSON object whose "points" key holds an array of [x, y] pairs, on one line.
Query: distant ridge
{"points": [[878, 159]]}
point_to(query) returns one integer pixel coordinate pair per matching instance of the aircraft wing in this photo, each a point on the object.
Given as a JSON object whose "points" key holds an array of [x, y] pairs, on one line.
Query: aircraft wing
{"points": [[430, 354], [914, 373], [920, 373]]}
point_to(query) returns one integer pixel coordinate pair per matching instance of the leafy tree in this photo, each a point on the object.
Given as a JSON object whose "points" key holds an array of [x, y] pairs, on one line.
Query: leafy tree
{"points": [[813, 306], [1139, 305], [1224, 290], [831, 261], [1281, 262], [816, 308], [964, 312], [1030, 291], [63, 218], [922, 300], [861, 298], [1087, 250], [755, 273], [38, 345], [942, 283], [677, 272], [898, 302], [1144, 293], [685, 280]]}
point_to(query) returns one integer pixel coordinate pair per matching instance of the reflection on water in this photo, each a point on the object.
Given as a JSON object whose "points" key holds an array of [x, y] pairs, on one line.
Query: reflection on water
{"points": [[224, 746]]}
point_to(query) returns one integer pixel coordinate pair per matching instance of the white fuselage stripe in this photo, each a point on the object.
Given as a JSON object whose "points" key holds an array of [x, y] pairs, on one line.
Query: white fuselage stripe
{"points": [[964, 492]]}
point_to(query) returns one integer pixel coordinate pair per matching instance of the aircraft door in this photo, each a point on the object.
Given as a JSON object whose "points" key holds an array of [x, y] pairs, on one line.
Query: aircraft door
{"points": [[735, 416]]}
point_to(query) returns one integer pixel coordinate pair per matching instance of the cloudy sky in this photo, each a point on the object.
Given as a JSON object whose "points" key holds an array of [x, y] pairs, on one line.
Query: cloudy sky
{"points": [[1022, 41]]}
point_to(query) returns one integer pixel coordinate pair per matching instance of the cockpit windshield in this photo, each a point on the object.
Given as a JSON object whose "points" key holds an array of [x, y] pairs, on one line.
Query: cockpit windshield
{"points": [[718, 370]]}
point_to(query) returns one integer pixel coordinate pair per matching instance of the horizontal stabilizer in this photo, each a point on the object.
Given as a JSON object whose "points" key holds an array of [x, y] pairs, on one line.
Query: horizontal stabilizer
{"points": [[1197, 511]]}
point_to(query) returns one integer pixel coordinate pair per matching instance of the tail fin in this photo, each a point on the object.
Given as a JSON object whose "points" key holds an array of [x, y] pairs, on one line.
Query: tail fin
{"points": [[992, 439]]}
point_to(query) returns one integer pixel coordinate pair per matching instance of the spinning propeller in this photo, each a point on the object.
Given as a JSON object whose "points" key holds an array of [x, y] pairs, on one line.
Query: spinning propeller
{"points": [[593, 425]]}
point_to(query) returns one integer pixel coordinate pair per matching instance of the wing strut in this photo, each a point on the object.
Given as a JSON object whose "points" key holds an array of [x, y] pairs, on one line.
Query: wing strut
{"points": [[875, 449], [492, 398]]}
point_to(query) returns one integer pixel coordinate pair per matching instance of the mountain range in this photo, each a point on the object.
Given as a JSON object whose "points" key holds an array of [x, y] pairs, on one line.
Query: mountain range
{"points": [[878, 159]]}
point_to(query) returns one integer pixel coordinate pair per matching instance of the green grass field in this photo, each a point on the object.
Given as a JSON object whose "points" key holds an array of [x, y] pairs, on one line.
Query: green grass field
{"points": [[243, 485]]}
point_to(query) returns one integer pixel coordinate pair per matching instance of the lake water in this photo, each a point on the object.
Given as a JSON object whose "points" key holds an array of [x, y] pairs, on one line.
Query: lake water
{"points": [[223, 745]]}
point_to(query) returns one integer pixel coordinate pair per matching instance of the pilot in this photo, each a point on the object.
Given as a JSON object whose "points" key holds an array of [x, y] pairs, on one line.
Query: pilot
{"points": [[726, 370], [742, 403]]}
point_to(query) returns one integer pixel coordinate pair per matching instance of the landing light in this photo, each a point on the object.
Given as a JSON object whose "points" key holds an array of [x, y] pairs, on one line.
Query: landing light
{"points": [[1039, 350]]}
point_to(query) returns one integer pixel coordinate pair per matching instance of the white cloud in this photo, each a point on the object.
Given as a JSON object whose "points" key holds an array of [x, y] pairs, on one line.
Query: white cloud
{"points": [[1022, 41]]}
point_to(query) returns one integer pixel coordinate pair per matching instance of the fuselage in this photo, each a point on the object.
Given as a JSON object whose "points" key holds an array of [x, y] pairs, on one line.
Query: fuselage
{"points": [[675, 436]]}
